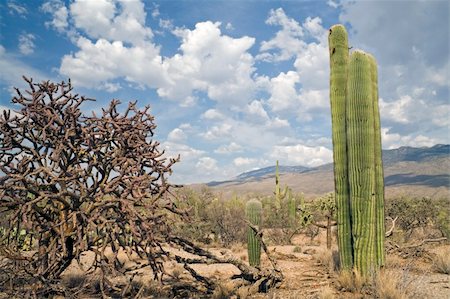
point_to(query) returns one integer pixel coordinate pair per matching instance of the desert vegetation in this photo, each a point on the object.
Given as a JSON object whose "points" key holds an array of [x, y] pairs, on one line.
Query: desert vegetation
{"points": [[87, 210]]}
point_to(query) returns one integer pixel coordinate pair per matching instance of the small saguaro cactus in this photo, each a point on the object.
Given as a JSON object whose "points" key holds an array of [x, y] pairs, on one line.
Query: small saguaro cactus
{"points": [[279, 194], [253, 212]]}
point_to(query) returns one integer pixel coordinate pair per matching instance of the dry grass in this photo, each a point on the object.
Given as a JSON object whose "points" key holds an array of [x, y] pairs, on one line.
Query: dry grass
{"points": [[388, 284], [351, 281], [326, 293], [394, 262], [223, 291], [441, 261], [324, 257]]}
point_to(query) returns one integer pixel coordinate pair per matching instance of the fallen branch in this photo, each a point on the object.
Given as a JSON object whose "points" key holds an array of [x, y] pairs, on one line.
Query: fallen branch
{"points": [[424, 242], [391, 230], [260, 279]]}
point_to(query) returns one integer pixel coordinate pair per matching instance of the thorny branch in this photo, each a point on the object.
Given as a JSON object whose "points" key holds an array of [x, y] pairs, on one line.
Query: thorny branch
{"points": [[77, 183]]}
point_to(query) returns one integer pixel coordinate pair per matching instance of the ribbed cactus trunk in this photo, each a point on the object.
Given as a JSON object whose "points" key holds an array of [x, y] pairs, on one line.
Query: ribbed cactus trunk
{"points": [[379, 174], [358, 168], [361, 160], [338, 43], [253, 212]]}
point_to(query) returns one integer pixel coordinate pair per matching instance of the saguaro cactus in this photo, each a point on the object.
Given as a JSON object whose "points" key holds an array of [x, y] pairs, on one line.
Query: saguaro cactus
{"points": [[279, 194], [358, 169], [338, 43], [379, 174], [253, 211], [361, 160]]}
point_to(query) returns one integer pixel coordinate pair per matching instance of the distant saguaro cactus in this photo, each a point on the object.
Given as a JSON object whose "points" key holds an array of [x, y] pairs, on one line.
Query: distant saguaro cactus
{"points": [[358, 168], [253, 212]]}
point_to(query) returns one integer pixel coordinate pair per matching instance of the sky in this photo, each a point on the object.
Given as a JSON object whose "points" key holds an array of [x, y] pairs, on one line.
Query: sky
{"points": [[234, 85]]}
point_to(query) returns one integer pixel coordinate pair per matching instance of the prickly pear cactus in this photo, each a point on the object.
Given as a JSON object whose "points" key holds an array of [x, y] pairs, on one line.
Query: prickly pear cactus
{"points": [[253, 212]]}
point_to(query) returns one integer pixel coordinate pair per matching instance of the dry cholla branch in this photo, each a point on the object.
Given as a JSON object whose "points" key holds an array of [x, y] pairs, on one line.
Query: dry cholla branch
{"points": [[80, 184]]}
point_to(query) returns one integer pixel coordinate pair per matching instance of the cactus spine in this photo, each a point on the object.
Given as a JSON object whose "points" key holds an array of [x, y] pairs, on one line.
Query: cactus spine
{"points": [[358, 169], [253, 211], [338, 43]]}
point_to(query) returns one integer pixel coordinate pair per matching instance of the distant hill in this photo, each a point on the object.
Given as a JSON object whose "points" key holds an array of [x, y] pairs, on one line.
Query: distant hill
{"points": [[421, 171]]}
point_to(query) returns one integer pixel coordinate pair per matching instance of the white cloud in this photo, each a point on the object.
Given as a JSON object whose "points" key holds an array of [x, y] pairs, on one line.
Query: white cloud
{"points": [[283, 91], [333, 4], [213, 114], [394, 140], [177, 135], [231, 148], [206, 165], [243, 161], [112, 20], [396, 111], [278, 123], [219, 131], [60, 15], [211, 62], [287, 41], [256, 109], [302, 155], [26, 43], [18, 9], [98, 63]]}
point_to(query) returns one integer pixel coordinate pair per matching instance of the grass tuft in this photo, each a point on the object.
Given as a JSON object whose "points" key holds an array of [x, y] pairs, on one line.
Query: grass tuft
{"points": [[441, 261]]}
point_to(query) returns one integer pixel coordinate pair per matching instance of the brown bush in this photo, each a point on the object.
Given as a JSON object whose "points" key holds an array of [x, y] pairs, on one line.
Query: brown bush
{"points": [[79, 183]]}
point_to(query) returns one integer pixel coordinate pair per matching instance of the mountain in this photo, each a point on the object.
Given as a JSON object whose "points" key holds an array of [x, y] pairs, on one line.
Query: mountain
{"points": [[406, 153], [414, 171]]}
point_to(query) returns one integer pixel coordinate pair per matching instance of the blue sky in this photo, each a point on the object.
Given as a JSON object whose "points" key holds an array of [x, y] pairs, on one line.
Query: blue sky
{"points": [[235, 85]]}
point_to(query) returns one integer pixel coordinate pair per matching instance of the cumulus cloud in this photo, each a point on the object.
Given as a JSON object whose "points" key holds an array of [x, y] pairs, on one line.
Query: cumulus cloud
{"points": [[177, 135], [304, 90], [26, 43], [112, 20], [302, 155], [287, 42], [103, 61], [219, 131], [212, 114], [206, 165], [394, 140], [283, 91], [211, 62], [231, 148], [59, 13]]}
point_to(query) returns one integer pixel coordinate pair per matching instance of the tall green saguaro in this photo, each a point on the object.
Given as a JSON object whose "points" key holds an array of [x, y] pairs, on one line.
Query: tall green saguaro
{"points": [[358, 167], [253, 212], [379, 174], [361, 160], [339, 55]]}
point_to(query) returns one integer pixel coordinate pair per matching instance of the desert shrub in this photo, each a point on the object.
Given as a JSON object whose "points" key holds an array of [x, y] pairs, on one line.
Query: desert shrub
{"points": [[77, 182], [213, 218], [414, 213]]}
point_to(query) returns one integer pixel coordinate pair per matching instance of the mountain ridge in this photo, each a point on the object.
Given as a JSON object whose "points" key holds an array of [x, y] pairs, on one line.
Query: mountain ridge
{"points": [[414, 171]]}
